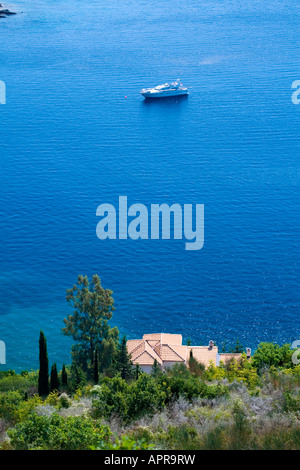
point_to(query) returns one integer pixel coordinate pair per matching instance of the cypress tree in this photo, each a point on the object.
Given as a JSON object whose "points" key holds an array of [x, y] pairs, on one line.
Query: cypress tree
{"points": [[54, 383], [195, 367], [155, 369], [124, 364], [137, 371], [96, 368], [64, 376], [43, 383]]}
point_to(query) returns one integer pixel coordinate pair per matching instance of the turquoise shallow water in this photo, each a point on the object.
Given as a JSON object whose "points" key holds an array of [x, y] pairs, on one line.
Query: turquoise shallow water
{"points": [[71, 141]]}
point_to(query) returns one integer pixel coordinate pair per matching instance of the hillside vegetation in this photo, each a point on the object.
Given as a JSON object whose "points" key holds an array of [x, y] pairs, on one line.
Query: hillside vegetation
{"points": [[239, 405]]}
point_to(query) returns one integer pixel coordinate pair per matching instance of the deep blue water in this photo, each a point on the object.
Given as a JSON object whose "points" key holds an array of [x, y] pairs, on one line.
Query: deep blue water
{"points": [[70, 141]]}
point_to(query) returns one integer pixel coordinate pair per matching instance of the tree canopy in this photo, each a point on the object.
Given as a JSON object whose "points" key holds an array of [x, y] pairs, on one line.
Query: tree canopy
{"points": [[88, 325]]}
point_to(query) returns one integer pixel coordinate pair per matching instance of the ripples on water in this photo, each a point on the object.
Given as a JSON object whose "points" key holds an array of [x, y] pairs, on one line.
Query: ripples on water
{"points": [[71, 141]]}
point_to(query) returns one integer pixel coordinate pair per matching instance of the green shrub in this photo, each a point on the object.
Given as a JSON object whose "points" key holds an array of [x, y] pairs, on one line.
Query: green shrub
{"points": [[183, 437], [15, 408], [213, 440], [190, 387], [240, 370], [9, 403], [291, 402], [240, 432], [128, 401], [279, 439], [270, 354], [127, 442], [58, 433], [14, 382], [110, 398], [147, 394]]}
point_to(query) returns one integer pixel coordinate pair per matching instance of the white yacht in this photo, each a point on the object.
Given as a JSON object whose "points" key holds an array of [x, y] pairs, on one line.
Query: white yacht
{"points": [[163, 91]]}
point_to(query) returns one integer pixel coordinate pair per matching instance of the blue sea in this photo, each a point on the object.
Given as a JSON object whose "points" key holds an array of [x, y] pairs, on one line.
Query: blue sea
{"points": [[75, 133]]}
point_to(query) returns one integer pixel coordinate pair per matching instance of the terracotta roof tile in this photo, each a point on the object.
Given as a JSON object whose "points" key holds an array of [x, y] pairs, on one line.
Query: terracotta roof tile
{"points": [[153, 342], [165, 347], [144, 359], [167, 353], [203, 354], [164, 338], [225, 357], [138, 350], [132, 344]]}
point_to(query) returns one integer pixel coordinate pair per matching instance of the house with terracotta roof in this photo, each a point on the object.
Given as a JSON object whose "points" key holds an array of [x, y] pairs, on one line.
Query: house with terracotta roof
{"points": [[167, 349]]}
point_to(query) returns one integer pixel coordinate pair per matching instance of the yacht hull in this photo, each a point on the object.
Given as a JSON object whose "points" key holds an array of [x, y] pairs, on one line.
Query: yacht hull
{"points": [[163, 94]]}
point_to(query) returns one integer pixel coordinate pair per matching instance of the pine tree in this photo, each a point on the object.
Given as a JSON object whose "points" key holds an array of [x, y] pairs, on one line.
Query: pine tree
{"points": [[124, 364], [108, 351], [238, 348], [54, 383], [64, 376], [96, 368], [93, 308], [78, 377]]}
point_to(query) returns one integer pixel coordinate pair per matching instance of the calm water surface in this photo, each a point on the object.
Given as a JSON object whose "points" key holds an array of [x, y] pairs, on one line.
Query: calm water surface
{"points": [[70, 141]]}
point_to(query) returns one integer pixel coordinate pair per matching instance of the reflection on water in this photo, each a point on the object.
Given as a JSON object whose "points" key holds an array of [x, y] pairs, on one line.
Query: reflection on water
{"points": [[166, 101], [71, 141]]}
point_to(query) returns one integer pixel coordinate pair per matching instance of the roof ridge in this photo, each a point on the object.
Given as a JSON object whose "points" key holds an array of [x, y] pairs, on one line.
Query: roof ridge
{"points": [[155, 340], [147, 352], [141, 342], [175, 351], [144, 350], [153, 350]]}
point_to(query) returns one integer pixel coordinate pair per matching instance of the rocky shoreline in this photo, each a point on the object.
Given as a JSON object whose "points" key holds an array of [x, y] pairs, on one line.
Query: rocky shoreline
{"points": [[4, 12]]}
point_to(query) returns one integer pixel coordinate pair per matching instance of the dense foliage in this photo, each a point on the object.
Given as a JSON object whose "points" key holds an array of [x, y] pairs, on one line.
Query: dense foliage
{"points": [[231, 406], [102, 401], [58, 433]]}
